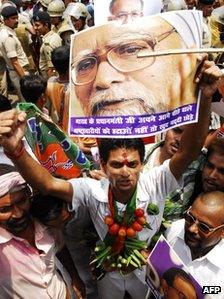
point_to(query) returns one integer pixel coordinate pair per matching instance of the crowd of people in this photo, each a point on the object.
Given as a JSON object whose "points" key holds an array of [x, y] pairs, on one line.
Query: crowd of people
{"points": [[51, 227]]}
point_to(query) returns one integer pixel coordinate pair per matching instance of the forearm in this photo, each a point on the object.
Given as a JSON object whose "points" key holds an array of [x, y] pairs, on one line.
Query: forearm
{"points": [[39, 178], [195, 134], [17, 67], [191, 141]]}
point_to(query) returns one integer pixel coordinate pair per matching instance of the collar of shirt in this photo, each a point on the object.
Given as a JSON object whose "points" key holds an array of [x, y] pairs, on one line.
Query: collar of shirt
{"points": [[9, 30], [40, 235], [141, 197], [47, 35], [213, 256]]}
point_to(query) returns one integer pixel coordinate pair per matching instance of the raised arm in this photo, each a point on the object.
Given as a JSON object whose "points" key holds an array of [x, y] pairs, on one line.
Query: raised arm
{"points": [[12, 128], [194, 135]]}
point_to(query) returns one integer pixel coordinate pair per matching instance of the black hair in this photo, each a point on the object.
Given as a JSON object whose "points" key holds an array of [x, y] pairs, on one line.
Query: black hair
{"points": [[46, 208], [170, 275], [60, 59], [7, 168], [216, 147], [113, 1], [32, 87], [107, 145], [5, 103]]}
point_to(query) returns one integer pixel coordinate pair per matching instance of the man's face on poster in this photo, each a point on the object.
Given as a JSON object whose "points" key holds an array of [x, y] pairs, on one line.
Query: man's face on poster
{"points": [[108, 79], [125, 10]]}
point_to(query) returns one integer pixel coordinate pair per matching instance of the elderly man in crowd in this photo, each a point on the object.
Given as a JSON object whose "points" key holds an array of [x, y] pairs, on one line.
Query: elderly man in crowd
{"points": [[198, 239], [27, 250]]}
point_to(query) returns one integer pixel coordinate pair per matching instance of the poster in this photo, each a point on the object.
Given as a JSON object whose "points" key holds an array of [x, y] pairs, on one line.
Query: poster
{"points": [[114, 93], [124, 10], [168, 277]]}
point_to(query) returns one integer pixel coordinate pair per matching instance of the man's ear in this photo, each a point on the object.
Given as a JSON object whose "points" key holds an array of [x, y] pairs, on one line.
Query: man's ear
{"points": [[103, 165], [164, 286]]}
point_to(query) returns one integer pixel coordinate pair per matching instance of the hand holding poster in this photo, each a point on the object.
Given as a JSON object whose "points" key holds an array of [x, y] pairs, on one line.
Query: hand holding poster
{"points": [[115, 93]]}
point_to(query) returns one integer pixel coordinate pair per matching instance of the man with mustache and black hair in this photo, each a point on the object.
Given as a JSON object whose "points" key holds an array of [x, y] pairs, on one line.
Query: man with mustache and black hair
{"points": [[27, 250], [198, 239]]}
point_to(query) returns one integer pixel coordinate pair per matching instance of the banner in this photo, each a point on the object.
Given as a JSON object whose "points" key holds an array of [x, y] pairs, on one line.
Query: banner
{"points": [[124, 10], [116, 93], [52, 148], [165, 266]]}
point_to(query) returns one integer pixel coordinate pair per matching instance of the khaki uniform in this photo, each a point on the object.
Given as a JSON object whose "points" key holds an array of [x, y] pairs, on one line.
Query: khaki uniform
{"points": [[64, 30], [207, 36], [11, 47], [3, 79], [50, 41], [25, 40]]}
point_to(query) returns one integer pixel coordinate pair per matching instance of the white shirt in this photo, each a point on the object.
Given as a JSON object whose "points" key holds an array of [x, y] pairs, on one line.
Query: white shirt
{"points": [[24, 272], [152, 187], [207, 270]]}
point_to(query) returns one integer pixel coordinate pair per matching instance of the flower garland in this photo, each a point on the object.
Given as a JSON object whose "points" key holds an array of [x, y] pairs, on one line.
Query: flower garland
{"points": [[120, 250]]}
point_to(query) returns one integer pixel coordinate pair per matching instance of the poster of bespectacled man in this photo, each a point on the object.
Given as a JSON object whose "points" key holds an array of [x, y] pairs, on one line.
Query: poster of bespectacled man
{"points": [[114, 93], [124, 10], [167, 277]]}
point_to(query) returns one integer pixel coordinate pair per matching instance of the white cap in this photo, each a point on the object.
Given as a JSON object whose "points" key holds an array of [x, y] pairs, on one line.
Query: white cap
{"points": [[78, 10], [218, 14], [188, 23]]}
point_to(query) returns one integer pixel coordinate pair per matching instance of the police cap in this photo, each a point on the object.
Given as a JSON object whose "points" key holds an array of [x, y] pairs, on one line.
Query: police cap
{"points": [[9, 11], [42, 16]]}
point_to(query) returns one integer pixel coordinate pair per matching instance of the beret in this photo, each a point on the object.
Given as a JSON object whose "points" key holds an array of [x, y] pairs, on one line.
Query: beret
{"points": [[42, 16], [9, 11]]}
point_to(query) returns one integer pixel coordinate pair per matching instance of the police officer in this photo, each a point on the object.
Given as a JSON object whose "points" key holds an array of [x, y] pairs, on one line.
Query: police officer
{"points": [[15, 58], [206, 6], [50, 41], [78, 16], [56, 9]]}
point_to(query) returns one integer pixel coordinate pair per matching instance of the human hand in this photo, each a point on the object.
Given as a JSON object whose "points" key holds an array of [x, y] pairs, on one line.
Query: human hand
{"points": [[97, 174], [12, 129], [211, 137], [208, 77], [182, 89]]}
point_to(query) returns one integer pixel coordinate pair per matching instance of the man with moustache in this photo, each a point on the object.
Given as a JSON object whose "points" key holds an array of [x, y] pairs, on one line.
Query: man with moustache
{"points": [[211, 175], [27, 250], [108, 79], [15, 58], [198, 239], [50, 41]]}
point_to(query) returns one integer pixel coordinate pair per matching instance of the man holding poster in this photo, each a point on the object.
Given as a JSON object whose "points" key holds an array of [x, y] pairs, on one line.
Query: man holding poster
{"points": [[109, 79], [125, 196]]}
